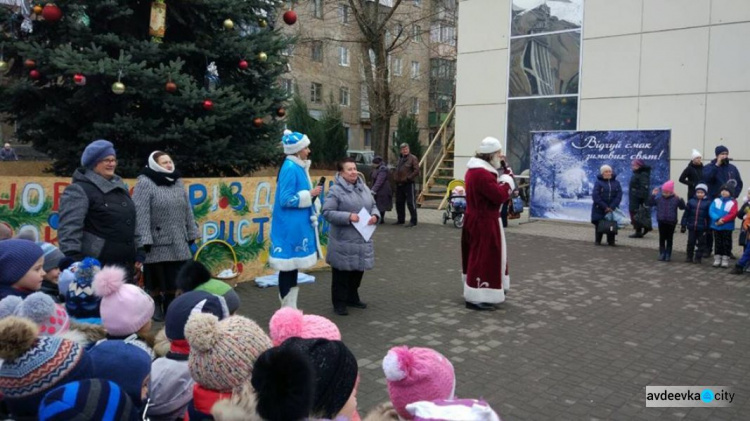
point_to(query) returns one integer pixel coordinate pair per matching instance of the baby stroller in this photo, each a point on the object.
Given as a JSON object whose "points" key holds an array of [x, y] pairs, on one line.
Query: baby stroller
{"points": [[456, 203]]}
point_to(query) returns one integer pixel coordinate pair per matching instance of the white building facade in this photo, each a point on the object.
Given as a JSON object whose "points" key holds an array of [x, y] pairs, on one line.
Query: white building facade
{"points": [[528, 65]]}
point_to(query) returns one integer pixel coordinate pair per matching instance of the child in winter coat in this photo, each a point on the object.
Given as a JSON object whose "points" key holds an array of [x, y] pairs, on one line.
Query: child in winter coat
{"points": [[739, 268], [666, 204], [21, 267], [723, 211], [52, 258], [696, 222], [125, 309]]}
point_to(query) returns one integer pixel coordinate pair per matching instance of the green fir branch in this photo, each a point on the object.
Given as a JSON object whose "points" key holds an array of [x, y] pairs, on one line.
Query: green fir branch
{"points": [[19, 216]]}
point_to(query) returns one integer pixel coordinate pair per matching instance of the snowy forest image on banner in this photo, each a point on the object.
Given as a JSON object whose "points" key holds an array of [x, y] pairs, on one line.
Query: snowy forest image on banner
{"points": [[565, 165]]}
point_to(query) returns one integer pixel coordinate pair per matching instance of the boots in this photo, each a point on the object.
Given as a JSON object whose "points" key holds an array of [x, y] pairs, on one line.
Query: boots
{"points": [[737, 270], [291, 299], [662, 254], [717, 260], [667, 256], [698, 259], [158, 310], [725, 261]]}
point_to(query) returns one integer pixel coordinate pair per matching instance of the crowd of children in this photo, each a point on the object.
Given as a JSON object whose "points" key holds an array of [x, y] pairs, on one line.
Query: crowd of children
{"points": [[76, 344]]}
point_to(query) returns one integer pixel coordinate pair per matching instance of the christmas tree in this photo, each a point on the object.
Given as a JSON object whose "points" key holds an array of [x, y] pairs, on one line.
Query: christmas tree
{"points": [[195, 78]]}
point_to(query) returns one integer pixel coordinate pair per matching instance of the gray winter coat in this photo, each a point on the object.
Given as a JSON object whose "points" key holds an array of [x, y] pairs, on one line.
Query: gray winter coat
{"points": [[347, 250], [165, 220]]}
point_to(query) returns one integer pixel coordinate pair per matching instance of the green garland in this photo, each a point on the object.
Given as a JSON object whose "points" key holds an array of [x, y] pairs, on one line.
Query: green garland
{"points": [[217, 257], [19, 216]]}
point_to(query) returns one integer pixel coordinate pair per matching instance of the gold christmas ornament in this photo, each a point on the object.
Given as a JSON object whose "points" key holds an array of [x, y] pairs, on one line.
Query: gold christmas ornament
{"points": [[262, 56], [228, 24], [118, 88]]}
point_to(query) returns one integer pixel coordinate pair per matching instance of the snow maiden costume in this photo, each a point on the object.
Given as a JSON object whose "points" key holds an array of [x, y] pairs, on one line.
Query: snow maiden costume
{"points": [[485, 281], [294, 226]]}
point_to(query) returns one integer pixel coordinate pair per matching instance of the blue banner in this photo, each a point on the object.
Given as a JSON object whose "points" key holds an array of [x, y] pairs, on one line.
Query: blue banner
{"points": [[564, 167]]}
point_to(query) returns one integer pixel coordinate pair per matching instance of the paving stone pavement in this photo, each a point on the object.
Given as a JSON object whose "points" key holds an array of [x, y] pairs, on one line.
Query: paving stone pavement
{"points": [[584, 329]]}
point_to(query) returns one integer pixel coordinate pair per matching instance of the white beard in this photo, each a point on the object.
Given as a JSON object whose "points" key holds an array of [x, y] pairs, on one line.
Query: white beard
{"points": [[495, 162]]}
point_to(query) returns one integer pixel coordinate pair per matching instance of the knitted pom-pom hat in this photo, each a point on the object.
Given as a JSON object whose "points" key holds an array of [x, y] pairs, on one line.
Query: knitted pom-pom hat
{"points": [[222, 353], [288, 323], [80, 300], [124, 308], [38, 307], [417, 374], [33, 365]]}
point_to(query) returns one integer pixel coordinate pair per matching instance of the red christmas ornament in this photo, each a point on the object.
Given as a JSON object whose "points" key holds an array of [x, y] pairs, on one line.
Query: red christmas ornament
{"points": [[240, 267], [171, 87], [34, 74], [208, 105], [290, 17], [243, 65], [29, 63], [281, 112], [223, 202], [51, 12], [258, 122]]}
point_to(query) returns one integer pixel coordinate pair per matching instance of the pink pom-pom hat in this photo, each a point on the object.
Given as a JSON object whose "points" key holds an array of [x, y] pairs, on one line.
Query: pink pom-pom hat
{"points": [[124, 308], [288, 323]]}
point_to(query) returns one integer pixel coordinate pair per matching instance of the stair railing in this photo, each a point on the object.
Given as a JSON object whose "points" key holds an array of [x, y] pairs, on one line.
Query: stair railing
{"points": [[427, 168]]}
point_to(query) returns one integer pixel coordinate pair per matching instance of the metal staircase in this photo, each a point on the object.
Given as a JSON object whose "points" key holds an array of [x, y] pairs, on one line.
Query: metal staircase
{"points": [[436, 165]]}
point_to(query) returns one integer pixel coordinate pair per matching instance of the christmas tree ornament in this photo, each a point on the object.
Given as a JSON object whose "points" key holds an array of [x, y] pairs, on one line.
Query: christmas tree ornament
{"points": [[243, 65], [281, 112], [208, 105], [170, 87], [37, 9], [290, 17], [79, 79], [262, 23], [3, 65], [51, 13], [262, 56], [212, 76], [118, 88], [27, 26], [228, 24], [258, 122], [34, 74], [158, 24], [29, 63]]}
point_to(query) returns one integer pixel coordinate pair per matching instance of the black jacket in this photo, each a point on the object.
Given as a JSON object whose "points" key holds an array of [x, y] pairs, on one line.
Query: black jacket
{"points": [[639, 188], [691, 176]]}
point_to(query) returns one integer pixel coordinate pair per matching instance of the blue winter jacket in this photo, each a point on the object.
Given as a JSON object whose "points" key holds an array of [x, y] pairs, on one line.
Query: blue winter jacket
{"points": [[716, 176], [294, 224], [606, 194], [724, 208], [696, 216], [666, 208]]}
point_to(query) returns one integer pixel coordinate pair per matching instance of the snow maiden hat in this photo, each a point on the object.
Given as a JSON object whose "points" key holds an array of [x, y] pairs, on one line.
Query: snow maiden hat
{"points": [[289, 322], [489, 145], [294, 142], [417, 374], [124, 308]]}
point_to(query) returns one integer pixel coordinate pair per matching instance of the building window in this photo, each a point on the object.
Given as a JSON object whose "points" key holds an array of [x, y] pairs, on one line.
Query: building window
{"points": [[316, 93], [343, 56], [443, 34], [397, 65], [415, 70], [317, 51], [344, 96], [343, 14], [318, 9], [415, 106], [416, 33], [288, 86], [368, 138]]}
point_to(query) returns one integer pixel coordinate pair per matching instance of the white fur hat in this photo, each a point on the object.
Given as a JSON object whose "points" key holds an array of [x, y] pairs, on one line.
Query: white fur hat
{"points": [[294, 142], [695, 154], [489, 145]]}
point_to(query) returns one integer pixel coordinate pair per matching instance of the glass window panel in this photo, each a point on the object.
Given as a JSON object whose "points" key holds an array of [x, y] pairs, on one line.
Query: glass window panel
{"points": [[540, 16], [545, 65], [533, 114]]}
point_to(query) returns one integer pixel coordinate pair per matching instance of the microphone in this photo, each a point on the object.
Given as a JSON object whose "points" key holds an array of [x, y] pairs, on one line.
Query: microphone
{"points": [[320, 184]]}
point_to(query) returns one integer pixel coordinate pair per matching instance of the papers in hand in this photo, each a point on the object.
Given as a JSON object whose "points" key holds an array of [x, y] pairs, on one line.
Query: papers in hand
{"points": [[365, 230]]}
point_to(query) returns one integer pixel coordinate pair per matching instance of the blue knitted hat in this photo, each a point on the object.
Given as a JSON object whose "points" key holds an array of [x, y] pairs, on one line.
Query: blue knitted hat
{"points": [[86, 400], [188, 303], [33, 365], [96, 151], [123, 363], [16, 258], [80, 300], [721, 149], [294, 142]]}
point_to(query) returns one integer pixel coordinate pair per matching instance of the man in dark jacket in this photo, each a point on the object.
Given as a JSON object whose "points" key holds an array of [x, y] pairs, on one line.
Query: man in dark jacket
{"points": [[717, 174], [407, 172], [7, 153], [638, 193], [97, 216]]}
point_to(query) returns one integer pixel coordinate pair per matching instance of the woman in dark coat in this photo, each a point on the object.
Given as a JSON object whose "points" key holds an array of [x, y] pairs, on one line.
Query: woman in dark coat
{"points": [[97, 216], [692, 175], [348, 253], [607, 195], [638, 193], [166, 227], [381, 187]]}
